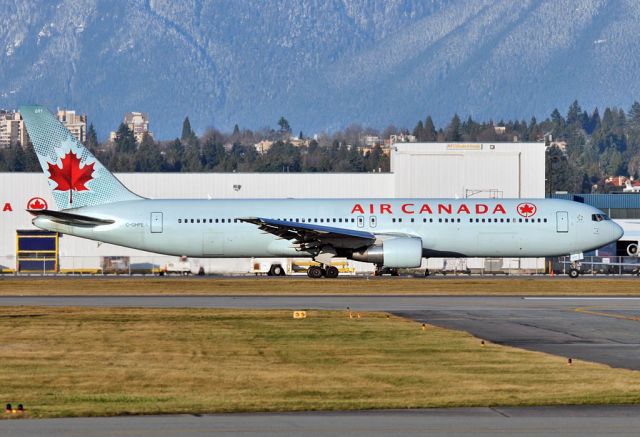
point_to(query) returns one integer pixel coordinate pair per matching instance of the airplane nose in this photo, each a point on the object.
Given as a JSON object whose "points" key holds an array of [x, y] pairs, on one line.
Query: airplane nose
{"points": [[617, 231]]}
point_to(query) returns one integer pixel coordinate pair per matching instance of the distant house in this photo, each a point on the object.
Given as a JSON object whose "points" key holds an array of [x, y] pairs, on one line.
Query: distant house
{"points": [[617, 181], [263, 146]]}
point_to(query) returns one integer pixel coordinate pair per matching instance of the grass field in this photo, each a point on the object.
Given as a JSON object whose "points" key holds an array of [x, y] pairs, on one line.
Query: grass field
{"points": [[263, 285], [86, 361]]}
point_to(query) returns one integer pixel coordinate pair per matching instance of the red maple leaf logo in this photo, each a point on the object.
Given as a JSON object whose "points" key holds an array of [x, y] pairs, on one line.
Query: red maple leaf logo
{"points": [[527, 209], [70, 176], [37, 203]]}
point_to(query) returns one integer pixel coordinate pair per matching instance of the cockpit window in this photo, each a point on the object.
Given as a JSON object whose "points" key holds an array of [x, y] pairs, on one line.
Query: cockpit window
{"points": [[599, 217]]}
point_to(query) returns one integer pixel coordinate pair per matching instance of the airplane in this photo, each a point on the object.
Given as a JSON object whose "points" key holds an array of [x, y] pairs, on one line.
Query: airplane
{"points": [[390, 233]]}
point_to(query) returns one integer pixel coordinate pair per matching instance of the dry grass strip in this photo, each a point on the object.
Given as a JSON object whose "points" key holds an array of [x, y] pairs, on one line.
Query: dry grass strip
{"points": [[305, 286], [90, 361]]}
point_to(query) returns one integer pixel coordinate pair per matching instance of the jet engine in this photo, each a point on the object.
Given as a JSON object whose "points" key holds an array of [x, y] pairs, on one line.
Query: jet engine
{"points": [[632, 249], [393, 252]]}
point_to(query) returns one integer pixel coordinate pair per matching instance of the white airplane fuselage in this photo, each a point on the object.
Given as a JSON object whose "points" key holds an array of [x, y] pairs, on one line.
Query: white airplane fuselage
{"points": [[445, 227]]}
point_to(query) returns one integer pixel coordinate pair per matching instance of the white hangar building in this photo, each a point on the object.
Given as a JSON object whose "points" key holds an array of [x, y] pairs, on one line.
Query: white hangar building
{"points": [[418, 170]]}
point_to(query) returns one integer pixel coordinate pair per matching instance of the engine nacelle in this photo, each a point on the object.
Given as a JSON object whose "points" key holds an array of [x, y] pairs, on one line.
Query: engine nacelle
{"points": [[393, 252], [632, 249]]}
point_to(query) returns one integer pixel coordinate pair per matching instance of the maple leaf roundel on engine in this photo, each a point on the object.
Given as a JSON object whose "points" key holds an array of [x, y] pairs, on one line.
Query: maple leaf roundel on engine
{"points": [[69, 176]]}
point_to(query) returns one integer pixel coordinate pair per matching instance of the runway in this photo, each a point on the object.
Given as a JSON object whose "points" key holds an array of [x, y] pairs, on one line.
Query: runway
{"points": [[584, 421], [599, 329]]}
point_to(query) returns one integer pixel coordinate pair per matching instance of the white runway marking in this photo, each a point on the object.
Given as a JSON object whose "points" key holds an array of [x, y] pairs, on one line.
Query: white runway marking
{"points": [[581, 298]]}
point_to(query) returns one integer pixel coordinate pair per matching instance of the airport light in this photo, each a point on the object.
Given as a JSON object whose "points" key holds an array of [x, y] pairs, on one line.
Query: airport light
{"points": [[8, 408], [424, 327], [569, 361]]}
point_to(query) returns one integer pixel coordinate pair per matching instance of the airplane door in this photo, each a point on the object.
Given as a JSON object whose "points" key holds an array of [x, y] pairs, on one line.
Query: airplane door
{"points": [[156, 222], [562, 221], [361, 221], [373, 221]]}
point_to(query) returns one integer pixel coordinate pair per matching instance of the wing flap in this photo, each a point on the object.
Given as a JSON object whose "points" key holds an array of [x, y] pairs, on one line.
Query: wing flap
{"points": [[308, 234]]}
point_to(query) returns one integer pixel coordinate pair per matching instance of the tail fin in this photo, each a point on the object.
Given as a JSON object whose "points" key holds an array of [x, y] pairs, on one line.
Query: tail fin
{"points": [[76, 177]]}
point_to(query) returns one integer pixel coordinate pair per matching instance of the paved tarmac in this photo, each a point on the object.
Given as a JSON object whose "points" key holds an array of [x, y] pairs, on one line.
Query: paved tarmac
{"points": [[582, 421], [600, 329]]}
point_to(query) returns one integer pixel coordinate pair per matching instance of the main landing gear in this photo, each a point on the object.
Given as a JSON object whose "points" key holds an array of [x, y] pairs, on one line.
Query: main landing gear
{"points": [[316, 272], [385, 271]]}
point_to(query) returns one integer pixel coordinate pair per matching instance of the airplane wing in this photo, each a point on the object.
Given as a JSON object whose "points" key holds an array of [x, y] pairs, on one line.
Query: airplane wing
{"points": [[309, 235]]}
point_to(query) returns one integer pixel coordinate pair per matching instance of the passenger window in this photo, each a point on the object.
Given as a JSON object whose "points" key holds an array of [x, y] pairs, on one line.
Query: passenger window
{"points": [[424, 220], [399, 220], [470, 220], [440, 220], [412, 220], [545, 220], [393, 220], [179, 220], [458, 220]]}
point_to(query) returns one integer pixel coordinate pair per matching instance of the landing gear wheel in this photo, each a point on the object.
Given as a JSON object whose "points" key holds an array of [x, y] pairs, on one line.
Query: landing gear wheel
{"points": [[574, 273], [426, 273], [332, 272], [314, 272]]}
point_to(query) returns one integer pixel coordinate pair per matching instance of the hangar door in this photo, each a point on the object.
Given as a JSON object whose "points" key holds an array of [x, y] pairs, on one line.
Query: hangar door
{"points": [[36, 251]]}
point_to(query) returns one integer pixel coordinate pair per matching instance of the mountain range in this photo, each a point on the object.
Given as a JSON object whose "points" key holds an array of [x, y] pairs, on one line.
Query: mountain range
{"points": [[323, 64]]}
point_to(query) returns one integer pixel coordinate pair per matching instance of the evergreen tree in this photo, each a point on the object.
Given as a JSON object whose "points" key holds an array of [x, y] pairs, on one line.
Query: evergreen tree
{"points": [[188, 136], [174, 156], [16, 158], [284, 125], [148, 157], [453, 130], [418, 131], [31, 162], [430, 133], [212, 153], [192, 160], [573, 114], [125, 142], [92, 139]]}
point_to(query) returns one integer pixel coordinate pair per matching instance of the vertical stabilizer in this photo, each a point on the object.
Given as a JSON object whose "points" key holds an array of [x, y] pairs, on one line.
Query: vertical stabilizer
{"points": [[76, 178]]}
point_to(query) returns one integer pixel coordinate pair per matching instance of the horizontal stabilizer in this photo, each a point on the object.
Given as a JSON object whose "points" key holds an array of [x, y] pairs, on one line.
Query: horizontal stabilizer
{"points": [[65, 218]]}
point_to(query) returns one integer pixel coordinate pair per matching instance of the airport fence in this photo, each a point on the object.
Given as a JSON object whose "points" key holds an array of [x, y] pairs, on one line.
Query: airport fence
{"points": [[171, 265]]}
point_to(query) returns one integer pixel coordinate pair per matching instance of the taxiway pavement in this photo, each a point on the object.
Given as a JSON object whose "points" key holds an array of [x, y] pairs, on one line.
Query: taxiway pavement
{"points": [[583, 421]]}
